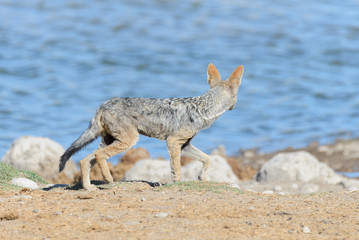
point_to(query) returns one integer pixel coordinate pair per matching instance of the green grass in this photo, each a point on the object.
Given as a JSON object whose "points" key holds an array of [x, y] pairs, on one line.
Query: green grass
{"points": [[201, 187], [8, 172]]}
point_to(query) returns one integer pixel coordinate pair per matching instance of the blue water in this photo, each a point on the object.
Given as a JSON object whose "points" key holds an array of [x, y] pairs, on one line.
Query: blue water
{"points": [[60, 59]]}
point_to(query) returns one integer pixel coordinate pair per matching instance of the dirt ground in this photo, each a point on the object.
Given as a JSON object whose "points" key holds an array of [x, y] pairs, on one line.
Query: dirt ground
{"points": [[137, 210]]}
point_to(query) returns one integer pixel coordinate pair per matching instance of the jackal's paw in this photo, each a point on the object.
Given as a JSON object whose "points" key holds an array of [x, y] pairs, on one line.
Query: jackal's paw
{"points": [[90, 187], [176, 180], [109, 180], [203, 177]]}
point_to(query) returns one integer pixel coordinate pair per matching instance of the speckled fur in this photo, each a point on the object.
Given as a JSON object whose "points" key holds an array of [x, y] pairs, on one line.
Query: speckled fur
{"points": [[119, 121]]}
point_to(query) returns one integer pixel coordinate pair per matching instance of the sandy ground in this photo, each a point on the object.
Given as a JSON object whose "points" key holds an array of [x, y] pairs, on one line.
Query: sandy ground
{"points": [[138, 211]]}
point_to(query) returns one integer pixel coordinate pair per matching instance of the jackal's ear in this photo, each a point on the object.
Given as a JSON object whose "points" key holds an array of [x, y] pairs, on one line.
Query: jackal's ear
{"points": [[236, 77], [213, 76]]}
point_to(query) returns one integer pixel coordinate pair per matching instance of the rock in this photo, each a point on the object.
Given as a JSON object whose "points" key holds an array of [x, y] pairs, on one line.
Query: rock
{"points": [[309, 188], [268, 192], [297, 166], [243, 172], [277, 188], [294, 186], [150, 170], [352, 189], [135, 154], [306, 229], [350, 184], [219, 171], [161, 215], [220, 151], [159, 171], [24, 182], [185, 160], [40, 155], [235, 185]]}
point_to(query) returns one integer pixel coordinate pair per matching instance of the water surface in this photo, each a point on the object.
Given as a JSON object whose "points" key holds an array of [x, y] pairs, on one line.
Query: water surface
{"points": [[59, 60]]}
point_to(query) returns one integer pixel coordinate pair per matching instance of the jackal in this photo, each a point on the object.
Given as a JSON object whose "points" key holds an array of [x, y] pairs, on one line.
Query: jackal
{"points": [[119, 121]]}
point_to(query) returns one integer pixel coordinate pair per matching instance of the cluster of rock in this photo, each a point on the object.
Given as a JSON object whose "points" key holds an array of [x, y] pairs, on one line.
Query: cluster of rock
{"points": [[285, 173], [39, 155]]}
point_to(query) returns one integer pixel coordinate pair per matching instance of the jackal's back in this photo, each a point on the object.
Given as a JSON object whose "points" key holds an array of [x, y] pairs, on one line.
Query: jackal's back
{"points": [[155, 117]]}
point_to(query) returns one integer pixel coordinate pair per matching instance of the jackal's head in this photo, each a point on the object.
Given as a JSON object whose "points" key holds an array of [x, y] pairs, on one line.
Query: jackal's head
{"points": [[229, 87]]}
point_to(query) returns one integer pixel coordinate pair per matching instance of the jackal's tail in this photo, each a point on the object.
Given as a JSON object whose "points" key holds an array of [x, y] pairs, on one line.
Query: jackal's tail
{"points": [[90, 134]]}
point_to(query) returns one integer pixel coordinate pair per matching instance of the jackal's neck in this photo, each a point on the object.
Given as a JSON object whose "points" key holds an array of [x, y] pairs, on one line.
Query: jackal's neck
{"points": [[213, 103]]}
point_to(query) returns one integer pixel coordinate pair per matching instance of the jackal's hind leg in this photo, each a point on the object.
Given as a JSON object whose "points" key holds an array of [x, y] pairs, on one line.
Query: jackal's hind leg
{"points": [[103, 154], [197, 154], [86, 165]]}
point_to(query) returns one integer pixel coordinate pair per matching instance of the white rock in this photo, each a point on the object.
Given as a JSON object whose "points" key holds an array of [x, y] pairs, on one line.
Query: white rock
{"points": [[268, 192], [159, 171], [24, 182], [306, 229], [161, 215], [353, 189], [277, 188], [150, 170], [235, 185], [40, 155], [219, 171], [351, 183], [297, 166], [294, 186], [309, 188]]}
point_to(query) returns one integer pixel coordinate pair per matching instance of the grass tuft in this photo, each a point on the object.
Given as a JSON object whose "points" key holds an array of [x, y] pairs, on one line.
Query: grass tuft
{"points": [[8, 172], [200, 186]]}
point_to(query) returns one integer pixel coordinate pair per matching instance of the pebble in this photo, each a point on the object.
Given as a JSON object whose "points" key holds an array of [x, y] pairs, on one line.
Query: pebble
{"points": [[235, 185], [306, 229], [277, 188], [58, 213], [268, 192], [24, 182], [353, 189], [310, 188], [22, 197], [249, 154], [251, 190], [161, 215], [36, 211], [325, 149], [143, 199]]}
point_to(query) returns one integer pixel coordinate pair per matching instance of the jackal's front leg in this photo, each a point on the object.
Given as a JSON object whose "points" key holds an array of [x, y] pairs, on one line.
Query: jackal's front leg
{"points": [[197, 154], [174, 150]]}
